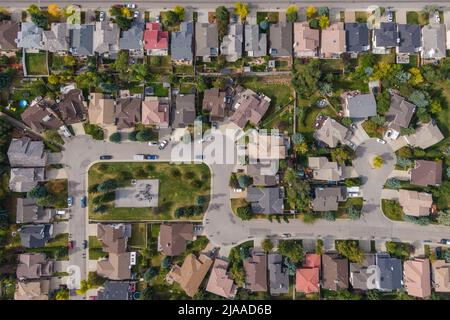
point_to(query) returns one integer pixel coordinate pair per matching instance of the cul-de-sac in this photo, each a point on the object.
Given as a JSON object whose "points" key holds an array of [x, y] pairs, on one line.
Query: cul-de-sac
{"points": [[258, 150]]}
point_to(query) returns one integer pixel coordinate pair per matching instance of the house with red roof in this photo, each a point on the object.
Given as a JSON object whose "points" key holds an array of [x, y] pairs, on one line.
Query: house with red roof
{"points": [[308, 276], [156, 41]]}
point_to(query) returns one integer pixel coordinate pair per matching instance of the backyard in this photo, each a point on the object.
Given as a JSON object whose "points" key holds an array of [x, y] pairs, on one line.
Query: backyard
{"points": [[36, 63], [179, 187]]}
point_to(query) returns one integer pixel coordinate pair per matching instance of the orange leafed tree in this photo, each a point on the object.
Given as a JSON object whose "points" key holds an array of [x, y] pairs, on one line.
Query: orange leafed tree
{"points": [[53, 10]]}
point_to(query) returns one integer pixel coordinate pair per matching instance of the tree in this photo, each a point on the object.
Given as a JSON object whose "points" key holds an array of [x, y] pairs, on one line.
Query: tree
{"points": [[419, 99], [39, 191], [301, 148], [87, 80], [233, 181], [377, 161], [144, 135], [297, 138], [267, 245], [447, 256], [350, 249], [39, 19], [222, 16], [341, 154], [305, 80], [291, 13], [69, 61], [393, 183], [353, 213], [139, 71], [444, 218], [33, 9], [416, 76], [53, 10], [429, 9], [435, 107], [201, 84], [241, 9], [311, 12], [150, 273], [245, 212], [125, 12], [291, 250], [116, 137], [107, 185], [244, 181], [62, 294], [53, 79], [330, 216], [132, 136], [200, 200], [324, 22], [123, 22], [219, 83], [179, 10], [170, 19]]}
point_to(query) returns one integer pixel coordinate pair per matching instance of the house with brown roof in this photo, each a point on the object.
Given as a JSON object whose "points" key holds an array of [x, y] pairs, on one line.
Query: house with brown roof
{"points": [[333, 41], [425, 136], [249, 106], [34, 266], [8, 35], [326, 170], [220, 282], [101, 109], [263, 146], [256, 271], [184, 112], [32, 290], [399, 115], [27, 211], [307, 278], [191, 273], [440, 276], [306, 40], [72, 107], [360, 273], [416, 277], [172, 238], [214, 101], [417, 204], [39, 117], [335, 272], [427, 173], [332, 133], [263, 175], [156, 111], [128, 112], [327, 198]]}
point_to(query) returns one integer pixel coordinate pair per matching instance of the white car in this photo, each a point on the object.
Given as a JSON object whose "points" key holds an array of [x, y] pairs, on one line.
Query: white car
{"points": [[237, 190], [153, 143], [101, 16], [136, 14], [132, 5], [163, 144], [390, 16], [381, 141], [437, 18]]}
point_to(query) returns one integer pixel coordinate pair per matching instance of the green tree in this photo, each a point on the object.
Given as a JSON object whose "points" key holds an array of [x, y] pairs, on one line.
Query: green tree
{"points": [[39, 19], [39, 191], [144, 135], [139, 72], [116, 137], [383, 102], [310, 12], [306, 80], [297, 138], [62, 294], [107, 185], [435, 107], [342, 154], [419, 99], [201, 84], [267, 245], [291, 13], [291, 250], [245, 212], [353, 213], [150, 274], [170, 19], [33, 9], [444, 217], [219, 83], [223, 17], [179, 10], [132, 136], [350, 249], [124, 23]]}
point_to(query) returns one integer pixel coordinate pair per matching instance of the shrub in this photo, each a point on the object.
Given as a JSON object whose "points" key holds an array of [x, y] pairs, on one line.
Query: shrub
{"points": [[350, 249], [175, 172], [245, 212], [189, 175], [353, 213], [132, 136], [330, 216], [94, 130], [116, 137]]}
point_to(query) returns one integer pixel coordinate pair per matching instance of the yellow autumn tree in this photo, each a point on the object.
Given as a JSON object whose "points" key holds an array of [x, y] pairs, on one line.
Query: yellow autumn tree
{"points": [[126, 12], [377, 162], [324, 22], [416, 76], [310, 12], [53, 79], [241, 9], [54, 10]]}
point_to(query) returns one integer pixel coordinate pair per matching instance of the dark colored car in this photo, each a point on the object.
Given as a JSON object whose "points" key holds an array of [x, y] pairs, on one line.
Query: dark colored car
{"points": [[83, 202], [105, 157], [151, 157], [85, 244]]}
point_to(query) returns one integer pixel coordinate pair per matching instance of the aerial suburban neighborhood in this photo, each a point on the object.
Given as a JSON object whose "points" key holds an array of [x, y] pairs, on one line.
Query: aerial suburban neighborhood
{"points": [[225, 151]]}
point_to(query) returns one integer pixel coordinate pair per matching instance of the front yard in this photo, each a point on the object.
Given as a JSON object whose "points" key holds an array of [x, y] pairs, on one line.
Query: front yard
{"points": [[392, 209]]}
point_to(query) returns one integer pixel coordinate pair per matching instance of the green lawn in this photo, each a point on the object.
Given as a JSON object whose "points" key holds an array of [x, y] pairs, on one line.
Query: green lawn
{"points": [[187, 87], [307, 117], [392, 209], [158, 89], [361, 16], [138, 235], [179, 185], [279, 93], [160, 64], [95, 249], [36, 63], [271, 17], [58, 188], [183, 69]]}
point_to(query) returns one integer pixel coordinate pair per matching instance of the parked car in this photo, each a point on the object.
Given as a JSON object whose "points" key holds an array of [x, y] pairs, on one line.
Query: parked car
{"points": [[136, 14], [70, 201], [438, 252], [381, 141], [85, 244], [101, 16], [352, 145], [83, 202], [445, 241], [286, 235], [237, 190], [105, 157], [390, 16], [151, 157], [153, 143], [163, 144], [199, 157], [71, 244], [437, 18]]}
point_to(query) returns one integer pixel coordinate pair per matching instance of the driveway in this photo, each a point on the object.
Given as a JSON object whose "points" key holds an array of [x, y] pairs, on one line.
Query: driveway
{"points": [[400, 15], [389, 194], [401, 175]]}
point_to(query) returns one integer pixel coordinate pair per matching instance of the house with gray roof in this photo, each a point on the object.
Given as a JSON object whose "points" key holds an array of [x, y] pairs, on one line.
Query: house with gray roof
{"points": [[35, 236], [30, 37], [327, 198], [25, 179], [332, 133], [256, 271], [433, 41], [106, 38], [280, 40], [184, 111], [231, 46], [391, 274], [82, 40], [206, 40], [260, 178], [267, 200], [410, 38], [357, 37], [26, 153], [57, 38], [27, 211], [255, 42], [131, 39], [116, 290], [278, 274], [358, 106], [360, 274], [426, 135], [385, 37], [181, 44], [399, 115], [8, 35]]}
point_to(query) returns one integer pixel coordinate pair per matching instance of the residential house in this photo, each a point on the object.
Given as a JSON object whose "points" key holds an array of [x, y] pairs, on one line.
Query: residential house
{"points": [[440, 276], [72, 107], [361, 274], [191, 273], [333, 41], [357, 105], [128, 112], [181, 44], [265, 147], [82, 40], [106, 39], [416, 276], [255, 42], [25, 179], [335, 272], [385, 37], [426, 135], [255, 268], [326, 170], [417, 204], [35, 236], [262, 175], [357, 37], [116, 290], [27, 211], [8, 35], [34, 266], [39, 117], [447, 26], [156, 111], [220, 281], [206, 40], [101, 109], [30, 37], [306, 40], [433, 41], [280, 40], [332, 133], [32, 290], [214, 101], [156, 41], [184, 113], [399, 115], [410, 38], [114, 237], [231, 46], [249, 107], [278, 274], [26, 153], [131, 39], [172, 238], [307, 278], [267, 200], [427, 173], [327, 198], [57, 38], [390, 272]]}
